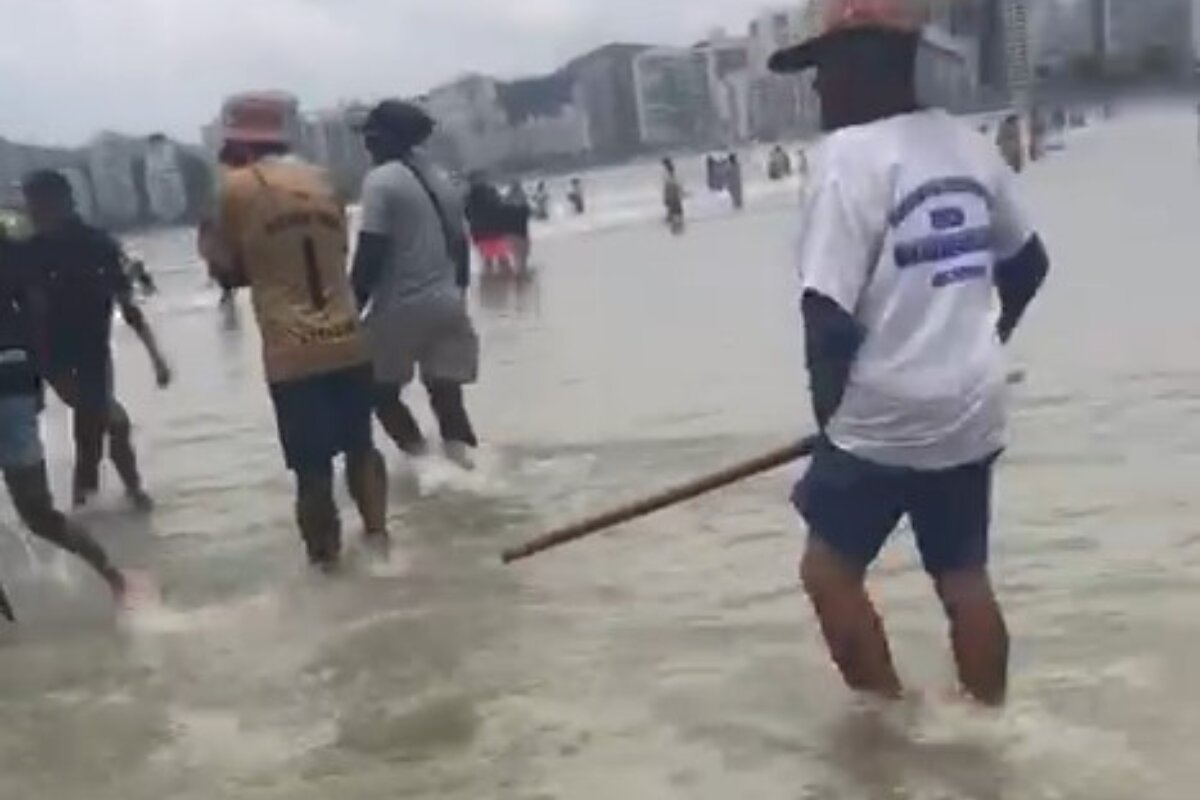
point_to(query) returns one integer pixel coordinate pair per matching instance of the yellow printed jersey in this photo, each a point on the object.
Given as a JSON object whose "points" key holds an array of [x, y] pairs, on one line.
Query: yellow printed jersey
{"points": [[286, 233]]}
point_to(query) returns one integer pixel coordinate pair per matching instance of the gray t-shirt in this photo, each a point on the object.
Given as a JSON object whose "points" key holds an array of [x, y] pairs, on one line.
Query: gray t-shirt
{"points": [[395, 204]]}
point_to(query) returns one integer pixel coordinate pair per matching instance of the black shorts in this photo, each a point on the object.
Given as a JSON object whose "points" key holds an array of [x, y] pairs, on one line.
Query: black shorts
{"points": [[85, 386], [854, 505], [324, 416]]}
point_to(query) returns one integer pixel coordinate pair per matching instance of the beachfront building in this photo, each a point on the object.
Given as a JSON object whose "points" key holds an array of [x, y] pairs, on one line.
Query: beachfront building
{"points": [[674, 100], [332, 141], [1060, 34], [546, 119], [946, 70], [606, 95], [780, 105], [111, 160], [81, 188], [16, 160], [560, 134], [471, 120], [162, 175], [1195, 30], [1144, 36], [729, 81]]}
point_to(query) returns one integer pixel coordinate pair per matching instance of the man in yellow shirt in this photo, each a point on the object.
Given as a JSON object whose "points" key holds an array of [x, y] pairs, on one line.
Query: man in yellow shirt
{"points": [[283, 234]]}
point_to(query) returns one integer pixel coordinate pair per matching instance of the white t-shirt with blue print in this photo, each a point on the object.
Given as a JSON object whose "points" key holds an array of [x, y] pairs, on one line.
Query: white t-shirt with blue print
{"points": [[904, 222]]}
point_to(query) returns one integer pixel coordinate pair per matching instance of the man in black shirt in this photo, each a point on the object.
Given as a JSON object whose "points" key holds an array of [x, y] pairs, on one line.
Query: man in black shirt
{"points": [[80, 268], [21, 457]]}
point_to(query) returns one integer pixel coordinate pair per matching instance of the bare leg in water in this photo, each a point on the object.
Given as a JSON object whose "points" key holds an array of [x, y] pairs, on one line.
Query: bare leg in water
{"points": [[852, 627], [366, 477], [91, 425], [978, 634], [123, 457], [317, 517], [30, 492]]}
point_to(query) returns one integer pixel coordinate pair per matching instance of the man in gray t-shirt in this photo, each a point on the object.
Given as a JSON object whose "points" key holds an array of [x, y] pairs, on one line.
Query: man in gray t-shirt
{"points": [[410, 275]]}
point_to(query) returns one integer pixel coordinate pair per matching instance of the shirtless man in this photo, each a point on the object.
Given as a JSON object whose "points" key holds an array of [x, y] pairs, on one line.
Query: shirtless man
{"points": [[22, 459], [81, 270]]}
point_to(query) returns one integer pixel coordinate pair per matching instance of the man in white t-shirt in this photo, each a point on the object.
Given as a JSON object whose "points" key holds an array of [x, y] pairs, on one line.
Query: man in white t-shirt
{"points": [[911, 230]]}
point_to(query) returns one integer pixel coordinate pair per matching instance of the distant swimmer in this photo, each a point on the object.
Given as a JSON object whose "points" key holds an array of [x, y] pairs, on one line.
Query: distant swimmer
{"points": [[714, 173], [1008, 140], [673, 197], [779, 164], [405, 277], [283, 234], [84, 279], [541, 202], [733, 181], [911, 228], [519, 213], [22, 460], [576, 197]]}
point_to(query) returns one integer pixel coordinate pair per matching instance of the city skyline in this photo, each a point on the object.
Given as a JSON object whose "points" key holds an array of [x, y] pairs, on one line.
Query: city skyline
{"points": [[176, 62]]}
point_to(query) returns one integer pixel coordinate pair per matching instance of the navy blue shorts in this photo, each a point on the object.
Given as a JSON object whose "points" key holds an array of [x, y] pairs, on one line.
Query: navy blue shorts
{"points": [[84, 385], [854, 505], [324, 416]]}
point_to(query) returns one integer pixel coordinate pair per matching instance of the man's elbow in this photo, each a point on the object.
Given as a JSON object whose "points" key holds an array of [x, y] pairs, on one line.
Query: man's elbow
{"points": [[831, 332], [1027, 270]]}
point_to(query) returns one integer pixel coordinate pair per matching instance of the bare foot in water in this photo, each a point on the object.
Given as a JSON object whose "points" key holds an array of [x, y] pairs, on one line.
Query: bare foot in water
{"points": [[133, 590]]}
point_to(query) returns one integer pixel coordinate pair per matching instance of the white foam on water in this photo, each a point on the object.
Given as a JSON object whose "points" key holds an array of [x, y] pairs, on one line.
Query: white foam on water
{"points": [[436, 474], [1139, 674], [224, 741], [558, 466], [360, 558], [47, 563], [154, 617], [1043, 755]]}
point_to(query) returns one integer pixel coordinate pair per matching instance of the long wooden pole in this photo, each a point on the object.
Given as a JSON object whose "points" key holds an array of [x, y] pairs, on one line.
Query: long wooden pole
{"points": [[680, 494], [671, 497]]}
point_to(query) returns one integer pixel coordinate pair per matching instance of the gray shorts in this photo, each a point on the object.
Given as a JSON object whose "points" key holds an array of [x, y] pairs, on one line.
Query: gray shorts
{"points": [[435, 335]]}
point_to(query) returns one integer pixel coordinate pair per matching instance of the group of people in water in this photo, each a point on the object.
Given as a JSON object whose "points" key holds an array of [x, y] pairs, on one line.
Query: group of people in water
{"points": [[340, 342], [499, 221], [722, 174]]}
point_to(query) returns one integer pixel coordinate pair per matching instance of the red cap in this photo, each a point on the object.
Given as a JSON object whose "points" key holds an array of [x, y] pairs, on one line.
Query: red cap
{"points": [[890, 14], [842, 17]]}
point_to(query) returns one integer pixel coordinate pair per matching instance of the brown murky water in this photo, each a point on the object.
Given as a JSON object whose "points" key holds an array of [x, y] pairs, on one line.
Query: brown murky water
{"points": [[676, 660]]}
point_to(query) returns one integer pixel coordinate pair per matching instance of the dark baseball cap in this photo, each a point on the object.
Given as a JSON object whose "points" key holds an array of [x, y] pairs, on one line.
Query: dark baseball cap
{"points": [[847, 19], [400, 119]]}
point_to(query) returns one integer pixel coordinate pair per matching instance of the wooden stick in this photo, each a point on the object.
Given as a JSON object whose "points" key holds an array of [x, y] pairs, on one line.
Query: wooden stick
{"points": [[671, 497], [680, 494]]}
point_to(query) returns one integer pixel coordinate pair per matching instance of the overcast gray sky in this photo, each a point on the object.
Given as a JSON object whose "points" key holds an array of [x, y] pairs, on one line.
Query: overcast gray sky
{"points": [[71, 67]]}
